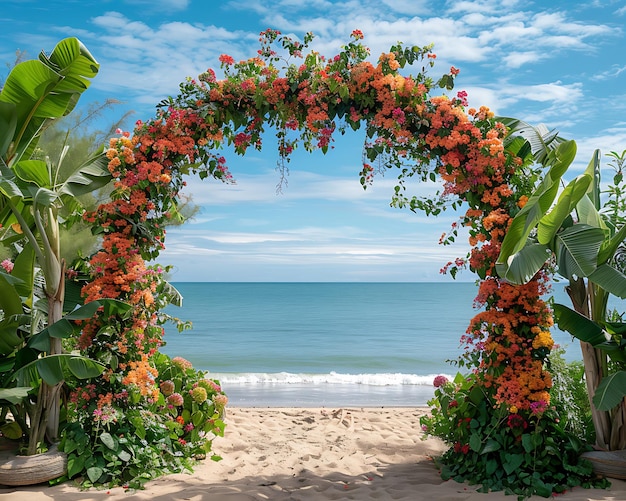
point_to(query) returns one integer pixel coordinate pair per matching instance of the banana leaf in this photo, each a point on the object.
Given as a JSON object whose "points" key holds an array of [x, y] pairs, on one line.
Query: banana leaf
{"points": [[611, 391]]}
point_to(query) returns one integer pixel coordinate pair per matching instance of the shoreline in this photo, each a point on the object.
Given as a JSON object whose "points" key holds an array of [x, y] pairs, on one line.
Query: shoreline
{"points": [[285, 395], [318, 453]]}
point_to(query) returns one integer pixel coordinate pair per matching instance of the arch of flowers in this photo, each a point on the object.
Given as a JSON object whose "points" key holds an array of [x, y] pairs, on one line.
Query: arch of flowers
{"points": [[410, 133]]}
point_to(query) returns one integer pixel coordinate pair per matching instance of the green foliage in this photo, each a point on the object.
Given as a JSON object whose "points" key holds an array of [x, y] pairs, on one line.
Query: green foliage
{"points": [[531, 453], [569, 396], [608, 337], [532, 213], [129, 440]]}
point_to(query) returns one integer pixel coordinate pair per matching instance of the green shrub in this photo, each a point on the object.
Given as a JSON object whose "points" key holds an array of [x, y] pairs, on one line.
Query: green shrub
{"points": [[569, 396]]}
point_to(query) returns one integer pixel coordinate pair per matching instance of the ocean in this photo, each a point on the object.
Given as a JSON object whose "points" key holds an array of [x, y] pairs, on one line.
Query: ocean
{"points": [[326, 344]]}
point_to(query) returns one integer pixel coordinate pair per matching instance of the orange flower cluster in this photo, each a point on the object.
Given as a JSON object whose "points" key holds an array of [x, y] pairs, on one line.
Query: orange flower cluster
{"points": [[514, 338], [142, 375]]}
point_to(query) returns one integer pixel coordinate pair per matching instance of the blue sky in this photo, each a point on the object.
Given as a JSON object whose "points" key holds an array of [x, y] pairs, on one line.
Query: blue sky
{"points": [[560, 63]]}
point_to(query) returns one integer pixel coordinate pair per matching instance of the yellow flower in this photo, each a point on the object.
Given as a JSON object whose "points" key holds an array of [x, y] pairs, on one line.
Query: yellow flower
{"points": [[513, 409], [543, 340]]}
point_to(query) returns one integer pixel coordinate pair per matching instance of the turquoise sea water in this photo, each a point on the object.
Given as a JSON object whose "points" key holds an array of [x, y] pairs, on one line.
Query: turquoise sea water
{"points": [[325, 344]]}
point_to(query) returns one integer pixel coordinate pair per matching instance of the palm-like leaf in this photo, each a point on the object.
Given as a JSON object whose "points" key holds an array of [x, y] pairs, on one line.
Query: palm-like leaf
{"points": [[39, 90], [580, 326], [52, 369], [540, 139], [537, 205], [576, 249], [549, 225], [611, 391], [67, 326], [610, 279], [525, 264]]}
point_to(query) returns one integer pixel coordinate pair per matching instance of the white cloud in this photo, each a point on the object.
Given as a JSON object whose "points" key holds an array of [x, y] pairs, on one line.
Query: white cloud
{"points": [[613, 72], [247, 238], [517, 59]]}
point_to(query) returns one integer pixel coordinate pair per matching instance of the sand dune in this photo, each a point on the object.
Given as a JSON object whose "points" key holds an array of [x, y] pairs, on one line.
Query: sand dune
{"points": [[310, 454]]}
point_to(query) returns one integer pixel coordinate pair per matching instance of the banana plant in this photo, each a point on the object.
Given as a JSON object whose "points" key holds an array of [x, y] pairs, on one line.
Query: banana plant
{"points": [[573, 231], [35, 93]]}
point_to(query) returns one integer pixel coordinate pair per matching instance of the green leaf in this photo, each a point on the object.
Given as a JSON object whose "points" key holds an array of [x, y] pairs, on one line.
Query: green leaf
{"points": [[576, 250], [611, 391], [108, 440], [92, 175], [45, 197], [8, 124], [593, 170], [579, 326], [10, 301], [10, 190], [124, 456], [173, 295], [14, 395], [94, 473], [10, 340], [608, 249], [11, 430], [84, 368], [491, 466], [541, 140], [475, 442], [512, 462], [24, 270], [50, 369], [45, 89], [76, 64], [525, 264], [538, 204], [611, 280], [64, 328], [75, 464], [541, 488], [33, 171], [550, 224], [527, 442], [491, 446], [197, 418]]}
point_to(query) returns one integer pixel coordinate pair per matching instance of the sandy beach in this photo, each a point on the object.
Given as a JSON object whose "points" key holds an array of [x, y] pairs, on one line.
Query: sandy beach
{"points": [[310, 454]]}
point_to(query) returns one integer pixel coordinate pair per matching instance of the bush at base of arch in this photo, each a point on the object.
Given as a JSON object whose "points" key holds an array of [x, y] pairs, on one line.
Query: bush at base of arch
{"points": [[504, 449], [131, 439]]}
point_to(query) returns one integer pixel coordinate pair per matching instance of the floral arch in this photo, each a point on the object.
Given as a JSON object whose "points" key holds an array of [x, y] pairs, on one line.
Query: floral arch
{"points": [[410, 133]]}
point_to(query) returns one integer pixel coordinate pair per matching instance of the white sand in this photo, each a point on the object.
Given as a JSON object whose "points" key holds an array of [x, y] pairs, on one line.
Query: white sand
{"points": [[311, 454]]}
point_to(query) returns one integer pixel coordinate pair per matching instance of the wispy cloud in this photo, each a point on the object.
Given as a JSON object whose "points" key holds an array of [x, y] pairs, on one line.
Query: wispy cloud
{"points": [[614, 71]]}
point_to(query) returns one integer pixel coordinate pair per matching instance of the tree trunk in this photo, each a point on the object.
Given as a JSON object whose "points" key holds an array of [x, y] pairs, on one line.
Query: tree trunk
{"points": [[583, 300], [52, 402], [45, 417], [618, 428], [593, 376]]}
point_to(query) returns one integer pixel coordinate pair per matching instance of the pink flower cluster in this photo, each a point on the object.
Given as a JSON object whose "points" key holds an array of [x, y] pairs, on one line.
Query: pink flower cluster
{"points": [[8, 265]]}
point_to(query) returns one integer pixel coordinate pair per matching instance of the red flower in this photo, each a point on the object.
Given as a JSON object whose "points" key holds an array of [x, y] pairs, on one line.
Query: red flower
{"points": [[516, 421], [357, 35], [226, 59]]}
